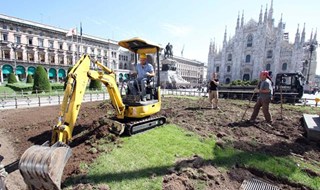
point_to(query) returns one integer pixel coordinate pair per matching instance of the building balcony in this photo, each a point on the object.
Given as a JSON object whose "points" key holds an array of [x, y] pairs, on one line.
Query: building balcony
{"points": [[4, 42], [41, 48]]}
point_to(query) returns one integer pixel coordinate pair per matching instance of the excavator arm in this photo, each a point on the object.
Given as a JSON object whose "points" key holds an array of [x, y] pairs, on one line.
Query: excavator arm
{"points": [[76, 86], [42, 166]]}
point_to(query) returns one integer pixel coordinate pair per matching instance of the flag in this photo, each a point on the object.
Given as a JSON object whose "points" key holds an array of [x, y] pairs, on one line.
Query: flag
{"points": [[71, 32], [80, 28]]}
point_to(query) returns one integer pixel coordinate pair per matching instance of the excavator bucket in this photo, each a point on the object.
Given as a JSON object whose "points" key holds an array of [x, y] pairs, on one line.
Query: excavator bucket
{"points": [[42, 166]]}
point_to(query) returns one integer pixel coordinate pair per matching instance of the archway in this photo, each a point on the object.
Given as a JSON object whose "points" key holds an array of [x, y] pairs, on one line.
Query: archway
{"points": [[52, 75], [31, 70], [120, 77], [21, 72], [61, 74], [246, 77], [6, 70]]}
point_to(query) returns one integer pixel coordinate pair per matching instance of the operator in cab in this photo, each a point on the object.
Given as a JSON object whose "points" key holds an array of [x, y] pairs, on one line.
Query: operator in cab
{"points": [[143, 72]]}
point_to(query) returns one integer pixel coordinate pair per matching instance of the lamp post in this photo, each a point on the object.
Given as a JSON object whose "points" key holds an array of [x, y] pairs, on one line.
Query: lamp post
{"points": [[14, 47], [310, 46]]}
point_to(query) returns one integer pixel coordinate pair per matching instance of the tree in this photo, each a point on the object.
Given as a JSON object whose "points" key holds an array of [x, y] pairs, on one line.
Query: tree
{"points": [[41, 81], [29, 79], [12, 78], [95, 85]]}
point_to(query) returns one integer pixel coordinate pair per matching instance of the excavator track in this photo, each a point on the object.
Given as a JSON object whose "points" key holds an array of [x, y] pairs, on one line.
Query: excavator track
{"points": [[134, 127]]}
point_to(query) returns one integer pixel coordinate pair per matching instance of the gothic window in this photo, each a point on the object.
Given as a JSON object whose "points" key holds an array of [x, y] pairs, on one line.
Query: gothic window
{"points": [[248, 59], [246, 77], [230, 57], [217, 69], [268, 67], [30, 56], [40, 42], [228, 69], [41, 57], [125, 66], [6, 54], [60, 46], [249, 41], [19, 55], [284, 66], [5, 37], [30, 41], [269, 54], [50, 44], [227, 80], [18, 39]]}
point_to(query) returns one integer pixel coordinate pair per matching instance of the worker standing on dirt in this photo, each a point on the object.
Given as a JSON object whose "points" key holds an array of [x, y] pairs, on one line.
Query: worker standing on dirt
{"points": [[265, 91], [143, 71], [213, 91]]}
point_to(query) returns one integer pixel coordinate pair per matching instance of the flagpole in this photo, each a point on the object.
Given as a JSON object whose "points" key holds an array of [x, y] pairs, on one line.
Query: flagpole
{"points": [[77, 43], [81, 37]]}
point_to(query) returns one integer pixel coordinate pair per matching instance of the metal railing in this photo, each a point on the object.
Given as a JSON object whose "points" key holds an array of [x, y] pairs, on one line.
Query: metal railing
{"points": [[23, 100]]}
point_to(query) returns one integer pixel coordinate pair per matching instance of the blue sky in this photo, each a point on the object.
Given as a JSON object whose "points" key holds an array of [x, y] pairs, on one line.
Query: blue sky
{"points": [[184, 23]]}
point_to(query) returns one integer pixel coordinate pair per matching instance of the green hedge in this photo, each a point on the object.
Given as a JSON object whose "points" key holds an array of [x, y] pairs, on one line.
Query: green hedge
{"points": [[12, 78], [57, 86], [20, 87], [95, 85], [29, 79], [41, 81]]}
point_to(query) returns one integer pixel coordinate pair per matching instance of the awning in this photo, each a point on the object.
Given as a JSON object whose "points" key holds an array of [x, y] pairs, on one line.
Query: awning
{"points": [[52, 72], [7, 69], [61, 73], [20, 70], [31, 70]]}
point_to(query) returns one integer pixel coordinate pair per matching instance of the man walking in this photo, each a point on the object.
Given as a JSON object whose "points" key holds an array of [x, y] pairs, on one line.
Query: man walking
{"points": [[265, 91]]}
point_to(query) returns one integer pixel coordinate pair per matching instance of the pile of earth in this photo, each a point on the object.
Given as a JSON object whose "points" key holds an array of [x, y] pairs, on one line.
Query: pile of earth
{"points": [[25, 127]]}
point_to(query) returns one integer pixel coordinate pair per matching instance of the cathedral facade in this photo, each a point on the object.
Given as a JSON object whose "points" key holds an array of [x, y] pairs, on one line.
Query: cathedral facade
{"points": [[262, 45]]}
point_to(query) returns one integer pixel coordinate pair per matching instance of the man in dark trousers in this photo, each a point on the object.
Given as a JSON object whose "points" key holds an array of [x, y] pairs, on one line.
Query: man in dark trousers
{"points": [[265, 92], [213, 91]]}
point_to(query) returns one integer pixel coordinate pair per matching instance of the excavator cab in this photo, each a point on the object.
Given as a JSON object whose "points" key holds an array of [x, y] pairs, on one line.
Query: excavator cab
{"points": [[42, 165]]}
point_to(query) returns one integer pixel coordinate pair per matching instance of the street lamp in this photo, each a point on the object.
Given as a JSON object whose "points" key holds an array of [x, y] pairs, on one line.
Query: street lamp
{"points": [[310, 46], [14, 47]]}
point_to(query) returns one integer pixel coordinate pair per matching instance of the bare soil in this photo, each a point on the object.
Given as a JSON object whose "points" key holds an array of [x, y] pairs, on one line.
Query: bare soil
{"points": [[22, 128]]}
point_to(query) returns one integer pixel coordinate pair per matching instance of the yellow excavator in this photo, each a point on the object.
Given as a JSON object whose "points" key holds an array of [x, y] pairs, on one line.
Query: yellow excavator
{"points": [[42, 165]]}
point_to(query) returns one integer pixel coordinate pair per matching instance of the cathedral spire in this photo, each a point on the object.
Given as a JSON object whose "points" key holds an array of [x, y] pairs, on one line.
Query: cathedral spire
{"points": [[303, 34], [280, 25], [270, 15], [311, 35], [225, 36], [238, 20], [265, 14], [315, 36], [260, 16], [242, 18], [297, 39]]}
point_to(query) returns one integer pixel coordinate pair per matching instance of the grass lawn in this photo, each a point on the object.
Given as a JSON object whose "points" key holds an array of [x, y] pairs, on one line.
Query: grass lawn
{"points": [[4, 89], [131, 165], [148, 154]]}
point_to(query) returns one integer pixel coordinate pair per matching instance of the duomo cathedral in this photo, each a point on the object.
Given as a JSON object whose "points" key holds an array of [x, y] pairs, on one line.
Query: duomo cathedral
{"points": [[262, 45]]}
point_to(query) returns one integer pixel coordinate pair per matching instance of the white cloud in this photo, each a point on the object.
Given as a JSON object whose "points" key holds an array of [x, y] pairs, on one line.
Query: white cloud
{"points": [[175, 30]]}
